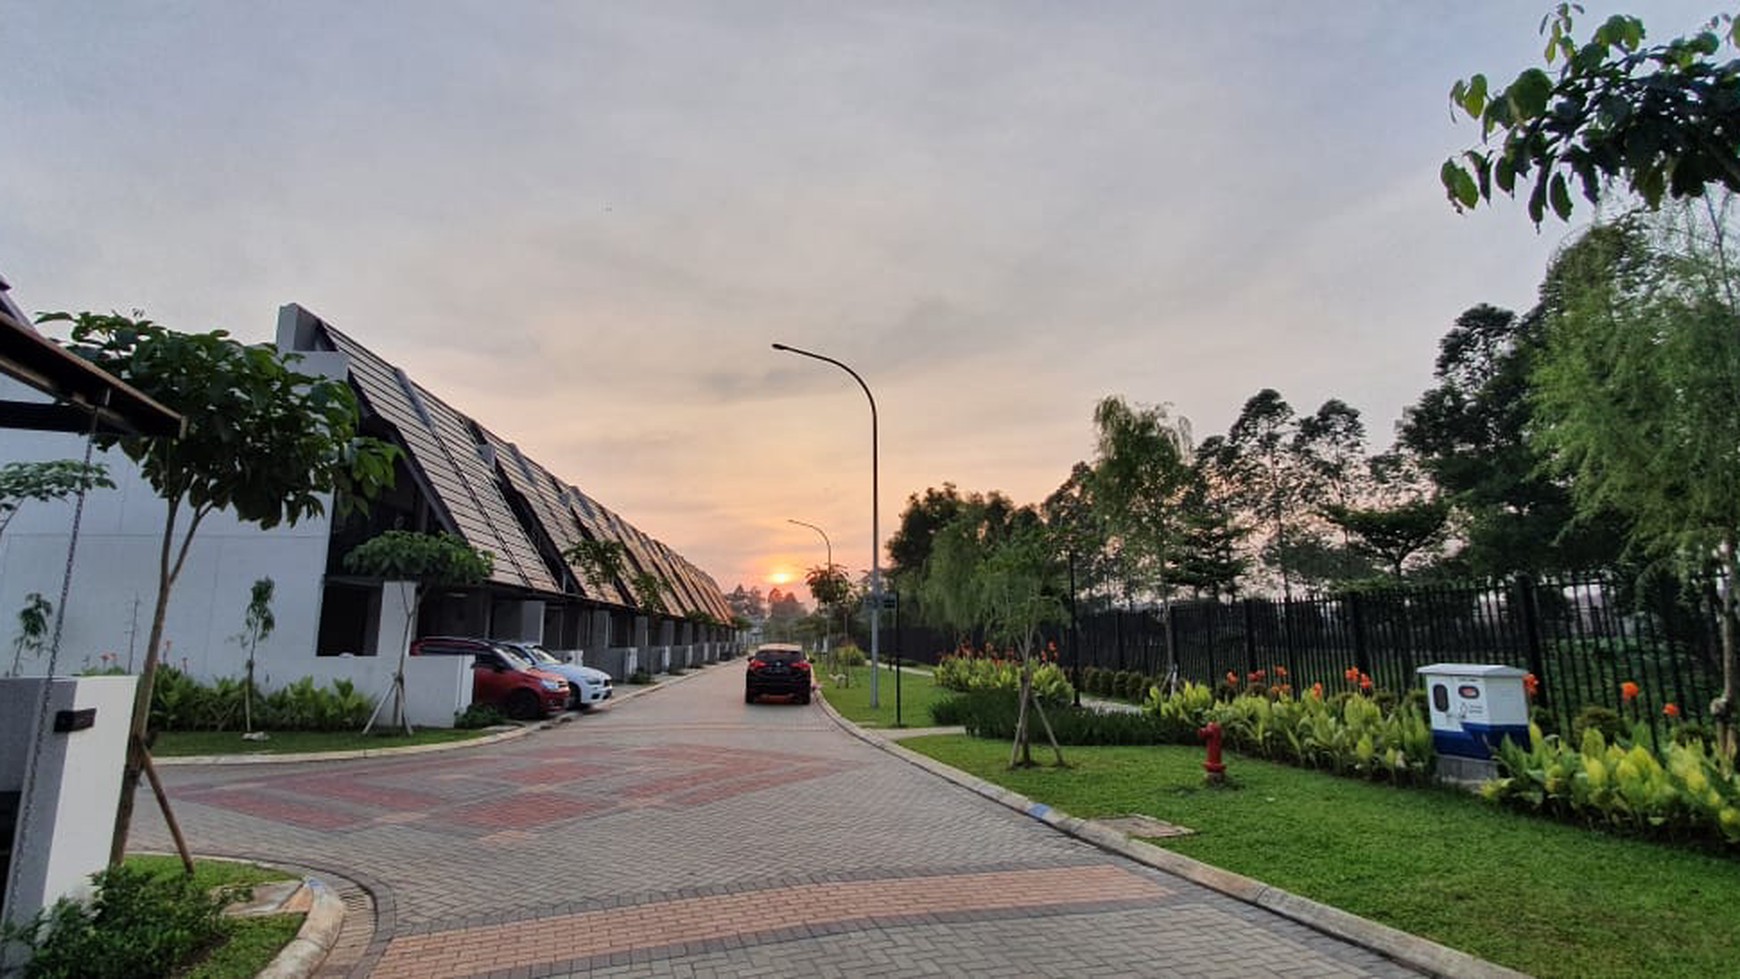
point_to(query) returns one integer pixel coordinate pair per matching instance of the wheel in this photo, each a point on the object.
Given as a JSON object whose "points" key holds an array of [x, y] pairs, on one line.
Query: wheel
{"points": [[523, 705], [749, 696], [803, 698]]}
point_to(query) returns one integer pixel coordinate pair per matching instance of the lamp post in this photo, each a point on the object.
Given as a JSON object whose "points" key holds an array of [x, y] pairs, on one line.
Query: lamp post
{"points": [[875, 524], [830, 546]]}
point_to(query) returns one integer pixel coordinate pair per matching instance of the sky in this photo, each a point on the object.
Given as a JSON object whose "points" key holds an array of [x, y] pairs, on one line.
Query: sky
{"points": [[584, 224]]}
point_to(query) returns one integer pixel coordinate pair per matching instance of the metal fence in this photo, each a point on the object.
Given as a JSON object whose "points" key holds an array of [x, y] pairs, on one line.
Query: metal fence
{"points": [[1582, 637]]}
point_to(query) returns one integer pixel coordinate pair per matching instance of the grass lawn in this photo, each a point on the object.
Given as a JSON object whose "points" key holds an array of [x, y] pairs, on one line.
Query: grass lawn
{"points": [[917, 692], [253, 942], [170, 744], [1542, 897]]}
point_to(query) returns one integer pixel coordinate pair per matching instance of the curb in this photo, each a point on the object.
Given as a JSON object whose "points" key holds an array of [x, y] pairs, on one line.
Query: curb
{"points": [[308, 950], [1407, 949]]}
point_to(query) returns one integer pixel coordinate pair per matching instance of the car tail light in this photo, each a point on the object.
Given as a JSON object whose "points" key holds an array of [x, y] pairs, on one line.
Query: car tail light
{"points": [[802, 664], [756, 664]]}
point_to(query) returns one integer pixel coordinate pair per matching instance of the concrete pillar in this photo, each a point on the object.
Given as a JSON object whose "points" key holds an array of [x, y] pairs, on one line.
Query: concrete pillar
{"points": [[519, 620], [597, 635]]}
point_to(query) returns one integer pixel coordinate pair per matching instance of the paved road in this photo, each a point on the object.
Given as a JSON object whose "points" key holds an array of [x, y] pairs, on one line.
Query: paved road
{"points": [[685, 833]]}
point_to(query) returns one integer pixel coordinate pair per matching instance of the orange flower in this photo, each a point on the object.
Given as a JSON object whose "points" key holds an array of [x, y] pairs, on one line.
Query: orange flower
{"points": [[1317, 690], [1232, 679], [1281, 671], [1628, 690], [1352, 674], [1671, 710], [1365, 683], [1258, 676], [1531, 684]]}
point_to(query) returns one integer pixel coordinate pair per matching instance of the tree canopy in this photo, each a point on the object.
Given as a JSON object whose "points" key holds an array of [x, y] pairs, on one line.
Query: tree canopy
{"points": [[1664, 119]]}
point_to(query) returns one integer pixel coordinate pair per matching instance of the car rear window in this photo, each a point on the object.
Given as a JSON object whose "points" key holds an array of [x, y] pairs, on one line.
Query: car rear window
{"points": [[782, 656]]}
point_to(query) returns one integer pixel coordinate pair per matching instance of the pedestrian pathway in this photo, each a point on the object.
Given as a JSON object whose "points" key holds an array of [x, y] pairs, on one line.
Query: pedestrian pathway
{"points": [[685, 833]]}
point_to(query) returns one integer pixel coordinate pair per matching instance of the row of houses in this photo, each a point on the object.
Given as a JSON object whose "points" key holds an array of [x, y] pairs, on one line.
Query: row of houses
{"points": [[455, 475]]}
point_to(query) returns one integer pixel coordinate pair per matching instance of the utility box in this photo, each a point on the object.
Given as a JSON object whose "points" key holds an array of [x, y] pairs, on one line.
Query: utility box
{"points": [[63, 743], [1473, 708]]}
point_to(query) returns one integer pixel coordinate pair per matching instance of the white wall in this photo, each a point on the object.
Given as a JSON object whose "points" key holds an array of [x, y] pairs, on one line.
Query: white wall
{"points": [[64, 836], [114, 582]]}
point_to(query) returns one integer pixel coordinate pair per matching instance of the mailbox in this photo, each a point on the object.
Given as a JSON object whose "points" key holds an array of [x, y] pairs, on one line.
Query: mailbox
{"points": [[1475, 707]]}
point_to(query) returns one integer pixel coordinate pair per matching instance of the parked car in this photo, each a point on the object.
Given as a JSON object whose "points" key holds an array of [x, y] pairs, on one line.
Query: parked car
{"points": [[501, 679], [590, 687], [777, 668]]}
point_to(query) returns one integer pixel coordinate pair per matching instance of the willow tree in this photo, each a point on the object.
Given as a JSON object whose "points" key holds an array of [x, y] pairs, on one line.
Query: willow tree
{"points": [[1017, 592], [1141, 474], [1637, 395], [262, 441]]}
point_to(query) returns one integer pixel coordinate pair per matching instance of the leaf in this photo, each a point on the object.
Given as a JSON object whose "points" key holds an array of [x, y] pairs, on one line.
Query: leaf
{"points": [[1528, 95], [1561, 196], [1459, 185]]}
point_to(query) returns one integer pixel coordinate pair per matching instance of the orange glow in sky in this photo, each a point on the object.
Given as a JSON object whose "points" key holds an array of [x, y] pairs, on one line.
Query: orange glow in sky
{"points": [[782, 577]]}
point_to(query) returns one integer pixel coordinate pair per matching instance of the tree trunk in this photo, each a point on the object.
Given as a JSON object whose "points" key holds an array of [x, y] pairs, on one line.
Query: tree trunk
{"points": [[1020, 756], [138, 732], [1722, 710]]}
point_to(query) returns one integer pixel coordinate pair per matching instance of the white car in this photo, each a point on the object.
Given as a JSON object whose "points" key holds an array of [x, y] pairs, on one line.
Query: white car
{"points": [[590, 687]]}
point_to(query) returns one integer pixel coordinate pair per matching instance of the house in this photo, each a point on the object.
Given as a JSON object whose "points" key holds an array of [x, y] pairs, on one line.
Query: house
{"points": [[455, 475]]}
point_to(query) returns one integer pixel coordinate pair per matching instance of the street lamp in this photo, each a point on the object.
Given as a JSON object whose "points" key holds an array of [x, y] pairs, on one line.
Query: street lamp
{"points": [[830, 545], [875, 524]]}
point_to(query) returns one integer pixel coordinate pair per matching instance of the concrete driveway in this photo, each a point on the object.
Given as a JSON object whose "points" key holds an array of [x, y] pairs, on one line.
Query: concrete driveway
{"points": [[685, 833]]}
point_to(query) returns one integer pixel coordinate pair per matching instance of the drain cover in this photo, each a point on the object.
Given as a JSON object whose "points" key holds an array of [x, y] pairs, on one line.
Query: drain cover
{"points": [[1145, 826]]}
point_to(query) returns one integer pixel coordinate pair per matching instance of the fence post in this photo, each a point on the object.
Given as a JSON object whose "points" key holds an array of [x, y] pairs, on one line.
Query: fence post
{"points": [[1250, 637], [1531, 617], [1356, 620]]}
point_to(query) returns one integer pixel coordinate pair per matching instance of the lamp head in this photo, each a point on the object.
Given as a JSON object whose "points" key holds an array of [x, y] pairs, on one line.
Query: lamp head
{"points": [[780, 346]]}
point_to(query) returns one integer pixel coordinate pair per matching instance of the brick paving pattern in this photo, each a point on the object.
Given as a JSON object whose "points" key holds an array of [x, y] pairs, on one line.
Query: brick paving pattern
{"points": [[685, 833]]}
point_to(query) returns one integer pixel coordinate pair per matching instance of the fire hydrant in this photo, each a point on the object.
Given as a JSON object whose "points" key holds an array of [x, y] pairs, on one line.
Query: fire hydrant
{"points": [[1213, 766]]}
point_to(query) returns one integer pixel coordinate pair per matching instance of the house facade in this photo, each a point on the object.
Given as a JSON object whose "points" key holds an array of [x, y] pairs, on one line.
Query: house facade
{"points": [[454, 475]]}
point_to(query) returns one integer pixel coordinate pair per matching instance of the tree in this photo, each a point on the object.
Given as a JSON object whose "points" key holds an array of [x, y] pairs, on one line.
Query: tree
{"points": [[1141, 473], [1016, 589], [257, 625], [33, 621], [1392, 535], [1260, 466], [431, 561], [261, 440], [748, 605], [1469, 434], [603, 562], [831, 588], [45, 481], [1636, 393], [1664, 119], [650, 590]]}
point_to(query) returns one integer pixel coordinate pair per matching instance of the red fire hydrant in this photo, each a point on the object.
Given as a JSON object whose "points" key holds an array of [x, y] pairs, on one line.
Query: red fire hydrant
{"points": [[1213, 766]]}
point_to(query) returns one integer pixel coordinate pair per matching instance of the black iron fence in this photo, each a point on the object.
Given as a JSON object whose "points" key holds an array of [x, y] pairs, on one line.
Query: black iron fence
{"points": [[1584, 639]]}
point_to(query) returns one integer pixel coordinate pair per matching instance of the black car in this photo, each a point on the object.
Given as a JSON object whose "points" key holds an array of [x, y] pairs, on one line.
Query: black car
{"points": [[777, 668]]}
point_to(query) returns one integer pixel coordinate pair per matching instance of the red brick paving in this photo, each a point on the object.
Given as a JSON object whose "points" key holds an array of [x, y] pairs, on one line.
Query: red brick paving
{"points": [[563, 938]]}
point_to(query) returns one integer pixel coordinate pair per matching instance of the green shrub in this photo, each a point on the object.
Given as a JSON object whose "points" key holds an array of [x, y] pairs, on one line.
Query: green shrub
{"points": [[478, 716], [995, 714], [1603, 719], [640, 678], [1677, 791], [181, 703], [969, 673], [138, 925]]}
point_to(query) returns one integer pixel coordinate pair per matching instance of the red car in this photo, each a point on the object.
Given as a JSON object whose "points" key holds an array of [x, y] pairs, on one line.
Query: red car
{"points": [[499, 679]]}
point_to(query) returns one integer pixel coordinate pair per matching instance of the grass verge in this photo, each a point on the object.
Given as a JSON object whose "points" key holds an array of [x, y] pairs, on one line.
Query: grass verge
{"points": [[253, 942], [1545, 898], [916, 694], [171, 744]]}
